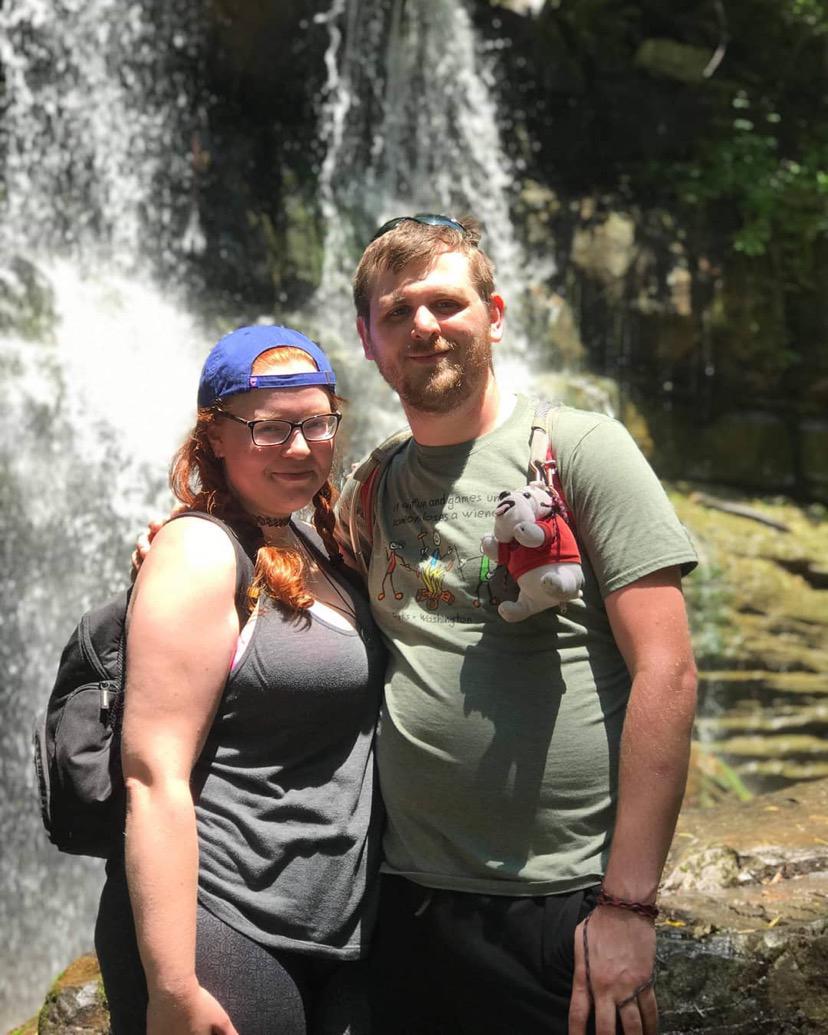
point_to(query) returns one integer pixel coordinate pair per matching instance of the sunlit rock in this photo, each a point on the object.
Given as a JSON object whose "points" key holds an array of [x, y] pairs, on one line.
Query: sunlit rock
{"points": [[606, 249], [531, 7], [710, 869], [673, 60], [554, 330], [76, 1003], [760, 627], [744, 929]]}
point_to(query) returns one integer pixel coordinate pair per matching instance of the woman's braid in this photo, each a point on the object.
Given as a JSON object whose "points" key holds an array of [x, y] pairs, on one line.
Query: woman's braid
{"points": [[324, 521]]}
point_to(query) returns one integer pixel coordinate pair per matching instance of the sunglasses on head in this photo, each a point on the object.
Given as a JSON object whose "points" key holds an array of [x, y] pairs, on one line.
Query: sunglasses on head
{"points": [[426, 218]]}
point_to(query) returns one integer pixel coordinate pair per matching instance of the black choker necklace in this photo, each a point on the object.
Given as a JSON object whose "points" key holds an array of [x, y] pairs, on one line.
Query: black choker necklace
{"points": [[271, 522]]}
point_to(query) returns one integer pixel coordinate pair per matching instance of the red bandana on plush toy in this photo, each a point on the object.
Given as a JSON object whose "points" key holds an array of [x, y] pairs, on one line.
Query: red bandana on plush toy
{"points": [[538, 548]]}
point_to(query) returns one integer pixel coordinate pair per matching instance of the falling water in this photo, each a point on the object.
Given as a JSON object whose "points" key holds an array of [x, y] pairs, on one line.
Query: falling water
{"points": [[98, 97], [97, 200], [410, 124], [101, 108]]}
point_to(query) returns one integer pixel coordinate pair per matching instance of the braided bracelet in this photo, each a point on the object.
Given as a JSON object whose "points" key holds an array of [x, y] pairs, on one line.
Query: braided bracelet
{"points": [[642, 908]]}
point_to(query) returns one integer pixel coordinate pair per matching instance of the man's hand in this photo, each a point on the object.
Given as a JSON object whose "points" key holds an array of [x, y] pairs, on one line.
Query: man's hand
{"points": [[621, 947], [145, 538]]}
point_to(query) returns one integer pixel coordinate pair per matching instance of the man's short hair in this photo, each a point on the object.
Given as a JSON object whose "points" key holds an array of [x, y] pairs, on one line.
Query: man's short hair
{"points": [[409, 242]]}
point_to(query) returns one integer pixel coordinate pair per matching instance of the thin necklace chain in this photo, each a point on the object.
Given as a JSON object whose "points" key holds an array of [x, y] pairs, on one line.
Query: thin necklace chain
{"points": [[347, 607]]}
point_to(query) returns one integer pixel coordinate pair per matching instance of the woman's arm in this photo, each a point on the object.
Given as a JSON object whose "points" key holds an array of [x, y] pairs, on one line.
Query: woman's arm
{"points": [[182, 633]]}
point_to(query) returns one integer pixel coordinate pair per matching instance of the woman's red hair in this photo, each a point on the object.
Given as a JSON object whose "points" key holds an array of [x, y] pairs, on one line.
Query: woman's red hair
{"points": [[198, 480]]}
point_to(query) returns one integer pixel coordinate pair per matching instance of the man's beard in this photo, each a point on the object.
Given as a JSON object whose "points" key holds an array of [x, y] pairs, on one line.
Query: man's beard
{"points": [[457, 375]]}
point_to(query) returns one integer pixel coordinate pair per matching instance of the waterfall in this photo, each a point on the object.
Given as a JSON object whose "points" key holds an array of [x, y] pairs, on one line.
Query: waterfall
{"points": [[97, 100], [96, 205], [98, 215], [410, 124]]}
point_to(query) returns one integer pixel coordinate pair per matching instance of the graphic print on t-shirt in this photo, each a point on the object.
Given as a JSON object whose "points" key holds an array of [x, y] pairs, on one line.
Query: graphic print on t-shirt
{"points": [[440, 574]]}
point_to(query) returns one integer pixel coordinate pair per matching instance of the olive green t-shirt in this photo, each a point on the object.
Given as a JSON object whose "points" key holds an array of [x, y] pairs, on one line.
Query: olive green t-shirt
{"points": [[498, 745]]}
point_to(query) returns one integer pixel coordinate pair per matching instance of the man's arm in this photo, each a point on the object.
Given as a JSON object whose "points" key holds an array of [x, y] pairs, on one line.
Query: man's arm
{"points": [[649, 623]]}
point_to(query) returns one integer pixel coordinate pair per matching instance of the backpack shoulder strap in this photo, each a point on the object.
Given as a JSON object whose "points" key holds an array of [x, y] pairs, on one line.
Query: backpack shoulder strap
{"points": [[100, 635], [357, 502], [543, 460]]}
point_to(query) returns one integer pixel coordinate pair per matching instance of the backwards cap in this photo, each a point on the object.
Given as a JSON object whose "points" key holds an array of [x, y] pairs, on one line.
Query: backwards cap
{"points": [[228, 369]]}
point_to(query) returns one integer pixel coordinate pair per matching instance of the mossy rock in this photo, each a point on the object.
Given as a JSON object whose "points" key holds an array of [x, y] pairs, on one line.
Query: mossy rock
{"points": [[760, 626], [29, 1028], [76, 1003]]}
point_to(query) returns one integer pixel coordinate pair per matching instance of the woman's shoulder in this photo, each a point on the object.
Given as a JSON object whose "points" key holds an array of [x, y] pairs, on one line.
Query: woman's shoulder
{"points": [[188, 576], [193, 546]]}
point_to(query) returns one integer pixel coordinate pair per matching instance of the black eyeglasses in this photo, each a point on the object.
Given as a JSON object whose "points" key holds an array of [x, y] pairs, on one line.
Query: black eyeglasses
{"points": [[426, 218], [321, 427]]}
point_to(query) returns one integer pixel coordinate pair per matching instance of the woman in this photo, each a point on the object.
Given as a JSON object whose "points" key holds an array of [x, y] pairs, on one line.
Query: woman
{"points": [[251, 836]]}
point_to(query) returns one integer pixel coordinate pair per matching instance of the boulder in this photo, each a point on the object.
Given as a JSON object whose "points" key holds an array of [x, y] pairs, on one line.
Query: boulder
{"points": [[75, 1004], [605, 249], [743, 935]]}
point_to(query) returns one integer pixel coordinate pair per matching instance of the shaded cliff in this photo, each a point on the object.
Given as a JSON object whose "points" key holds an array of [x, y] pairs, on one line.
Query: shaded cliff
{"points": [[673, 163]]}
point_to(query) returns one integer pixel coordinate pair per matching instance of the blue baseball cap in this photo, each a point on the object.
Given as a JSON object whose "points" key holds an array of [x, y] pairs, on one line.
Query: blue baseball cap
{"points": [[228, 368]]}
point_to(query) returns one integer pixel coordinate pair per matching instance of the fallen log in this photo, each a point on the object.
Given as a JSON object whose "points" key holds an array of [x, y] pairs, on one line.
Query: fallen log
{"points": [[739, 509]]}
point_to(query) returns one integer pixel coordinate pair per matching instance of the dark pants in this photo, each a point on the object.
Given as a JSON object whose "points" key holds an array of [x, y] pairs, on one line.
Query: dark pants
{"points": [[264, 991], [455, 963]]}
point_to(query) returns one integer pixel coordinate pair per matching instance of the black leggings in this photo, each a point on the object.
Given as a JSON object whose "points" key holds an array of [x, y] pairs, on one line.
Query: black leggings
{"points": [[264, 991]]}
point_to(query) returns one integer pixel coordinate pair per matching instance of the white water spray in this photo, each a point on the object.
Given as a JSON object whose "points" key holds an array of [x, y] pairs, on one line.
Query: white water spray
{"points": [[95, 362], [410, 124], [96, 143]]}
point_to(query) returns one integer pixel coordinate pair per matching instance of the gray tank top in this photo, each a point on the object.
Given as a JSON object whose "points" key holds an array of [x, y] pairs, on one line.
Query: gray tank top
{"points": [[288, 818]]}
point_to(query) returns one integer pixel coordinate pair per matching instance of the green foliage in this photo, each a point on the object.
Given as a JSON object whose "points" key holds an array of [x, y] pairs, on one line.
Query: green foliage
{"points": [[779, 195], [812, 13], [717, 781]]}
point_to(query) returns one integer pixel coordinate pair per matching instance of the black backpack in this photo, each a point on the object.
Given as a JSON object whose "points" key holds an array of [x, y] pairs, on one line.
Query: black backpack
{"points": [[77, 754], [77, 741]]}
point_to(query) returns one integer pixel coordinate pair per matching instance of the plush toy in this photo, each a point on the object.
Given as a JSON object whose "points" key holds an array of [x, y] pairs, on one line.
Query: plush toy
{"points": [[532, 538]]}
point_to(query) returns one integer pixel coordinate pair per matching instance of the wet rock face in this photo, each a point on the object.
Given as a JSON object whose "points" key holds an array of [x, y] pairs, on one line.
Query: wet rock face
{"points": [[744, 932], [759, 615]]}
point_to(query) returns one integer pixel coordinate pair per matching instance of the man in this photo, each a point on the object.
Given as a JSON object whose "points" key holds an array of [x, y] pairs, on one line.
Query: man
{"points": [[521, 764]]}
